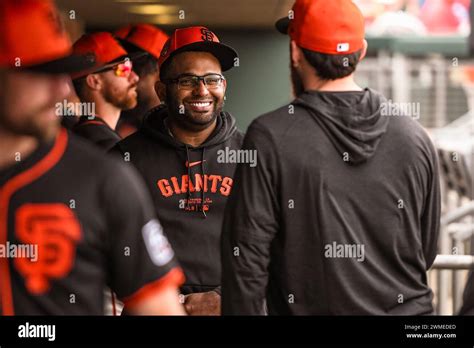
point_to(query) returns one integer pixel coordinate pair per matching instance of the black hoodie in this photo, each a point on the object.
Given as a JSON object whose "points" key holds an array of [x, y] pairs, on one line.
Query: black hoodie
{"points": [[192, 218], [340, 215]]}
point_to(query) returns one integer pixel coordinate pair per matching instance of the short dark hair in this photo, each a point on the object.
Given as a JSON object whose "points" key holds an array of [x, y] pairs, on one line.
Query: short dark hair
{"points": [[79, 86], [145, 65], [332, 66], [165, 69]]}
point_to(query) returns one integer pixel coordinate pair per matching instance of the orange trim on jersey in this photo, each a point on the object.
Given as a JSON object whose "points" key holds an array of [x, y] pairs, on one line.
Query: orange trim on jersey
{"points": [[6, 192], [173, 278]]}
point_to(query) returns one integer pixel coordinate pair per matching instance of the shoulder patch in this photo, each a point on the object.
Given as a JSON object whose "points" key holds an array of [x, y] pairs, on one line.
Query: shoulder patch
{"points": [[157, 244]]}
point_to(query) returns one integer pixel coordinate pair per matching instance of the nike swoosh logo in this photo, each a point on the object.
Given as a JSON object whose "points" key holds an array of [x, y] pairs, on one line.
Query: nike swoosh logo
{"points": [[192, 164]]}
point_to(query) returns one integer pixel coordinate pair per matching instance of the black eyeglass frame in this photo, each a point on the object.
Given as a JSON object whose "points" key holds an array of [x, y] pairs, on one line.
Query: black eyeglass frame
{"points": [[197, 79]]}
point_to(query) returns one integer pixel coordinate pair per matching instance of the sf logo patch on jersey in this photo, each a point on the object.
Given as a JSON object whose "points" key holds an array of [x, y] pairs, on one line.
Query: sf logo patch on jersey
{"points": [[55, 229]]}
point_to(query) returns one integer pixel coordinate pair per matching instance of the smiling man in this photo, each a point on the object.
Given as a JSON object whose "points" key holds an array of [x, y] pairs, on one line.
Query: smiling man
{"points": [[177, 152]]}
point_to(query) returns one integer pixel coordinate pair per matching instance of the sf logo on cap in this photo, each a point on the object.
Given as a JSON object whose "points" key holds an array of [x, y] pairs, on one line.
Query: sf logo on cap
{"points": [[207, 35], [342, 47]]}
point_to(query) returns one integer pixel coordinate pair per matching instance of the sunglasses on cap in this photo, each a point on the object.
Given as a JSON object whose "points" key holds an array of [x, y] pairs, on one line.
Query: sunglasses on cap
{"points": [[121, 69]]}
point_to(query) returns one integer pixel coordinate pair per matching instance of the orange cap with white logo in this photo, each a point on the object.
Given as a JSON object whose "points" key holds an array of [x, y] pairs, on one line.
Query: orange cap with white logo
{"points": [[325, 26]]}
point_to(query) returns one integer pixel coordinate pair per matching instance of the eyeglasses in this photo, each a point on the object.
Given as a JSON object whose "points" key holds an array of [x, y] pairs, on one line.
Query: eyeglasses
{"points": [[121, 70], [188, 82]]}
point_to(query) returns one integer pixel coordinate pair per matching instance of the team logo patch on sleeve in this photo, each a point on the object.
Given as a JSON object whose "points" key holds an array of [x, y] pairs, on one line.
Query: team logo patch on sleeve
{"points": [[157, 244]]}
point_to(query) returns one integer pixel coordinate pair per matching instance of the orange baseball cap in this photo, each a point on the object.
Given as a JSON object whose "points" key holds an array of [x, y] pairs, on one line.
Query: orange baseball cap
{"points": [[332, 27], [103, 46], [197, 39], [33, 37], [144, 37]]}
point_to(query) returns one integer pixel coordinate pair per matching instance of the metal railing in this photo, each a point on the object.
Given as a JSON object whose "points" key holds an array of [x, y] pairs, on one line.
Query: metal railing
{"points": [[453, 262], [455, 232]]}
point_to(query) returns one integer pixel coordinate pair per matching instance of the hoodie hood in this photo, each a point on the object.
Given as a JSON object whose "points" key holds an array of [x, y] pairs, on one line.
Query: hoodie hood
{"points": [[351, 120], [154, 125]]}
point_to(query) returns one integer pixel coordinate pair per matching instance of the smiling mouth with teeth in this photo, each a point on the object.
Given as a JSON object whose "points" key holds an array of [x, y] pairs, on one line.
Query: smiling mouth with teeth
{"points": [[200, 104]]}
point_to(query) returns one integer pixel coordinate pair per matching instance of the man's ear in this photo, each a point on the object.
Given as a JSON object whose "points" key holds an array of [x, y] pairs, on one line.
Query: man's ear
{"points": [[93, 81], [224, 85], [296, 55], [160, 90], [364, 50]]}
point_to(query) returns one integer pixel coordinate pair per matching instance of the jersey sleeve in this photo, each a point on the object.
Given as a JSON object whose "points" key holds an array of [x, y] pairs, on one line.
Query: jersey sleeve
{"points": [[139, 257]]}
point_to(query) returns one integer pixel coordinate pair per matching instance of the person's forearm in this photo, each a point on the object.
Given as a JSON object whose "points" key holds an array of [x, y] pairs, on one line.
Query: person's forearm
{"points": [[165, 302]]}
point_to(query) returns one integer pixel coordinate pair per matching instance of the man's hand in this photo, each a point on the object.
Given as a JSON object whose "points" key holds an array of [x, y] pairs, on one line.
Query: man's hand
{"points": [[203, 303]]}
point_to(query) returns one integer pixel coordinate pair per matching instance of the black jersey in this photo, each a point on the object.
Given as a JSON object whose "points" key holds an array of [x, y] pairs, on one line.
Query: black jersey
{"points": [[97, 131], [71, 223]]}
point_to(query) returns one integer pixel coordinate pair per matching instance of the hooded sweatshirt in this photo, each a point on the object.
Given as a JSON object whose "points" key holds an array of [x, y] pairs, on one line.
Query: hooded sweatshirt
{"points": [[189, 186], [339, 217]]}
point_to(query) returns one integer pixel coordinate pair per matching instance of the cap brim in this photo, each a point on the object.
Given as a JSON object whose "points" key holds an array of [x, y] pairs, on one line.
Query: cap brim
{"points": [[67, 65], [282, 25], [225, 54]]}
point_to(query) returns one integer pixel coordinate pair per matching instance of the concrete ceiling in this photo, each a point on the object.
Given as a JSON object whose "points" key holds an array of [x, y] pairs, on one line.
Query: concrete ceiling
{"points": [[228, 14]]}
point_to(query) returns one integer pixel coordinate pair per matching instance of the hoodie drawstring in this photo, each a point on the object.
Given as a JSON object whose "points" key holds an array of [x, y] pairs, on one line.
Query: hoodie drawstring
{"points": [[203, 180], [189, 177]]}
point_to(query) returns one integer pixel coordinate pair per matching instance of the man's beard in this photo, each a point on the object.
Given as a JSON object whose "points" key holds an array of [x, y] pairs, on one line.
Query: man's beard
{"points": [[296, 82], [145, 102], [121, 99], [187, 119], [44, 132]]}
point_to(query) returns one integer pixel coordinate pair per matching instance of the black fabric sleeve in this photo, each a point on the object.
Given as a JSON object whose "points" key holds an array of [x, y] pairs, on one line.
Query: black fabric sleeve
{"points": [[430, 219], [116, 151], [138, 251], [250, 225], [107, 144]]}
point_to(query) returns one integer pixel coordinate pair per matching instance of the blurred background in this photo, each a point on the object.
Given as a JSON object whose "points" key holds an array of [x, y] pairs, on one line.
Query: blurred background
{"points": [[420, 51]]}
